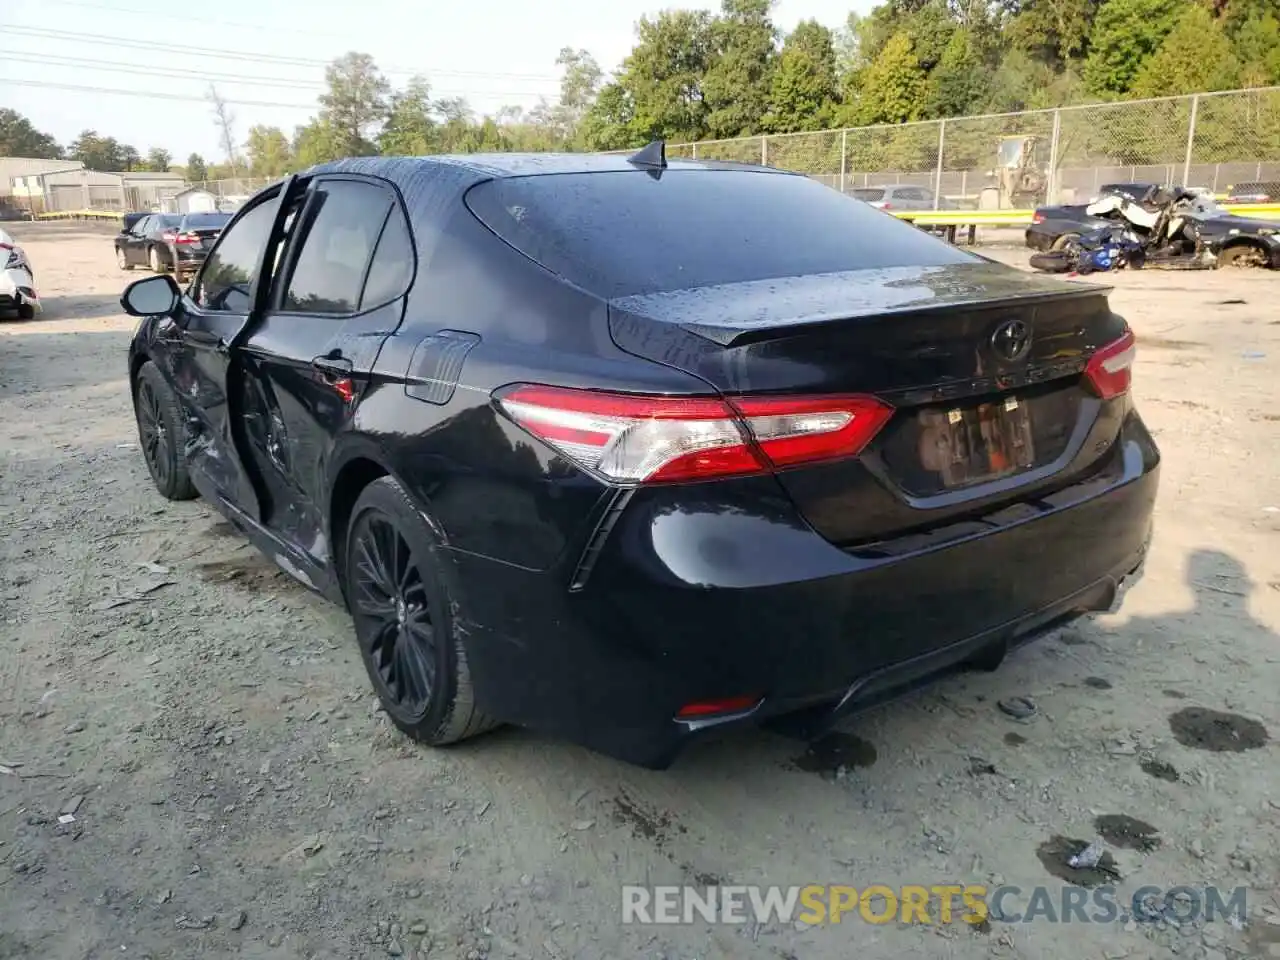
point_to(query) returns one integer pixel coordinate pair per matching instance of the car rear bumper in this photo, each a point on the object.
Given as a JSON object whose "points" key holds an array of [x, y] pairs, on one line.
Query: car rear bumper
{"points": [[694, 594]]}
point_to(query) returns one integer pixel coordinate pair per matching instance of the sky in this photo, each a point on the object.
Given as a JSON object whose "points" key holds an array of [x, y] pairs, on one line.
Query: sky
{"points": [[267, 57]]}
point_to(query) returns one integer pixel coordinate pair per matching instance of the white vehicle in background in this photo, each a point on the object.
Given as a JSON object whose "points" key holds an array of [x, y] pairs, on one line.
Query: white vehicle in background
{"points": [[18, 298]]}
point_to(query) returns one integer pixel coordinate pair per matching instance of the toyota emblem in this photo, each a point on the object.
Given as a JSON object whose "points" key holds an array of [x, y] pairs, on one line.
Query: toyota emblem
{"points": [[1011, 340]]}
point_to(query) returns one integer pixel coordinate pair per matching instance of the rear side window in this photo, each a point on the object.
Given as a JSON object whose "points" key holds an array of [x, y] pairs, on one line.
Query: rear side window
{"points": [[869, 194], [625, 233], [329, 272], [229, 270], [392, 267]]}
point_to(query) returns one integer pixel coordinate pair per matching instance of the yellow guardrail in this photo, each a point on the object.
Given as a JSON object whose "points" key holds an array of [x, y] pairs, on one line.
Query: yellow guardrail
{"points": [[1020, 218], [80, 215]]}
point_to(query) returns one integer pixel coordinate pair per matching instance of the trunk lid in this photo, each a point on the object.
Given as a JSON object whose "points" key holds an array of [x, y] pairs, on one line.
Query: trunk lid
{"points": [[981, 362]]}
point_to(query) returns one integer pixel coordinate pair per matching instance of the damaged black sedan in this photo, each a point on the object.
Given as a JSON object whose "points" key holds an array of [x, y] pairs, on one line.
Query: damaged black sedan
{"points": [[1169, 223], [630, 452]]}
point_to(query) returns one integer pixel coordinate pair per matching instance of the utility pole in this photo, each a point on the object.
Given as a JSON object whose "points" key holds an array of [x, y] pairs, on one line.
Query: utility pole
{"points": [[224, 119]]}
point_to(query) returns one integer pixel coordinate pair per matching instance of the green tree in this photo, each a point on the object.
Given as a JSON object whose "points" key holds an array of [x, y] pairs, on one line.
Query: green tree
{"points": [[1051, 29], [579, 85], [197, 170], [893, 89], [129, 158], [1125, 33], [1196, 55], [662, 77], [159, 160], [960, 84], [1257, 47], [804, 91], [19, 138], [737, 81], [318, 142], [355, 103], [410, 129], [269, 151], [610, 123], [95, 152]]}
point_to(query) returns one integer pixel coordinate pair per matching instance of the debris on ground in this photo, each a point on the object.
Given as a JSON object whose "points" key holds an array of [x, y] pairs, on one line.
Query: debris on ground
{"points": [[1020, 708]]}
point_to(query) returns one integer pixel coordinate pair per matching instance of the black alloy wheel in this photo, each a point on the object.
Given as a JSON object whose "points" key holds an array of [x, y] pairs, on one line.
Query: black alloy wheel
{"points": [[153, 434], [159, 424], [393, 614], [403, 604]]}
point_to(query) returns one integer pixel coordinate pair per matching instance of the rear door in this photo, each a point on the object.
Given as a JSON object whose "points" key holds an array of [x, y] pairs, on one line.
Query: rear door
{"points": [[205, 334], [340, 292], [132, 243]]}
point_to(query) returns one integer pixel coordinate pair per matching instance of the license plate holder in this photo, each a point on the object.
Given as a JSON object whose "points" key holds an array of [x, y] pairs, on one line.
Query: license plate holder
{"points": [[977, 443]]}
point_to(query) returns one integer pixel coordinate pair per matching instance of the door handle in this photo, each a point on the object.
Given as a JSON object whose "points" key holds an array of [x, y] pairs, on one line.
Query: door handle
{"points": [[334, 367], [222, 347]]}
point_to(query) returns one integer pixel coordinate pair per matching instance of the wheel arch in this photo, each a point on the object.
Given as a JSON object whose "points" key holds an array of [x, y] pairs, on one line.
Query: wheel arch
{"points": [[356, 463]]}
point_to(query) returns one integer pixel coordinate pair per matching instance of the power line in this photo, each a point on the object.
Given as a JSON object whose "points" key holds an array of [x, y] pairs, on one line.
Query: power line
{"points": [[159, 15], [117, 67], [151, 95], [186, 50], [114, 66]]}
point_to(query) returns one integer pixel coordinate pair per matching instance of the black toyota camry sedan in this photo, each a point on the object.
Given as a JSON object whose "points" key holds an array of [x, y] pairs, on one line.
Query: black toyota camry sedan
{"points": [[630, 451]]}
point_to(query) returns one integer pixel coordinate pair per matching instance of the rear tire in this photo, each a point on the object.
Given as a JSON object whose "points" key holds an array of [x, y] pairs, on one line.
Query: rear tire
{"points": [[1053, 262], [154, 258], [122, 261], [1061, 242], [160, 433], [1243, 255], [403, 609]]}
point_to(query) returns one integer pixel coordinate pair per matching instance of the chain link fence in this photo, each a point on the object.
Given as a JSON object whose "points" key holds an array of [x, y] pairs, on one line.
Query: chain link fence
{"points": [[1000, 161], [1019, 160]]}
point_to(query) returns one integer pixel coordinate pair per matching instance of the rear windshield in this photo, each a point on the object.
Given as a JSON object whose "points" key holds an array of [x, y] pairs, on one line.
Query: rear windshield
{"points": [[167, 221], [203, 221], [869, 194], [626, 233]]}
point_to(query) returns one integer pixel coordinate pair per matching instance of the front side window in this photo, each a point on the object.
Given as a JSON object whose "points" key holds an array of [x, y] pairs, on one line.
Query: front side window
{"points": [[329, 271], [229, 271]]}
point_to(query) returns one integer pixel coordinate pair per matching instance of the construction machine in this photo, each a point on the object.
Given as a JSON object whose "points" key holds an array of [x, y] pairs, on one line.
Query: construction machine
{"points": [[1020, 178]]}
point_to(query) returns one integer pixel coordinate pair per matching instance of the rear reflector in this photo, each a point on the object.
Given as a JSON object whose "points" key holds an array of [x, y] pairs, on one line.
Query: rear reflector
{"points": [[630, 438], [1110, 369], [709, 708]]}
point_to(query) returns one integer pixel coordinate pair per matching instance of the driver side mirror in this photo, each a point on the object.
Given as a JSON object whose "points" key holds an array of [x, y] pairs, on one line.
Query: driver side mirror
{"points": [[151, 296]]}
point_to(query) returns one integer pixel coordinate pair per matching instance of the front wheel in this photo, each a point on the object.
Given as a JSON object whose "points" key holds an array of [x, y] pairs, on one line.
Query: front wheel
{"points": [[403, 612], [160, 433]]}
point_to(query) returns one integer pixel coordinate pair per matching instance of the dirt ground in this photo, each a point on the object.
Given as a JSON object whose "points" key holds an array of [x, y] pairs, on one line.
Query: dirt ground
{"points": [[235, 792]]}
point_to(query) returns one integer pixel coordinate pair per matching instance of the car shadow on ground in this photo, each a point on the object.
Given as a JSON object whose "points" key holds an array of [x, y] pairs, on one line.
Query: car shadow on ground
{"points": [[86, 307], [1086, 679]]}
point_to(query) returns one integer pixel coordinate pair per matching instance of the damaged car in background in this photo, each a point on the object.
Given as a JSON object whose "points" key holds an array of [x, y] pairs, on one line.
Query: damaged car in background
{"points": [[18, 298], [1166, 227]]}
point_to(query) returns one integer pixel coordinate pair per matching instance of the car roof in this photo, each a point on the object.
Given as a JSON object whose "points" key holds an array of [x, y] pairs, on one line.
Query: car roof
{"points": [[500, 165]]}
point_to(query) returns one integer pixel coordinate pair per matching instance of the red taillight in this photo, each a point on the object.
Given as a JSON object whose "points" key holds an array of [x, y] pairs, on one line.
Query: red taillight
{"points": [[631, 438], [1037, 218], [1110, 369], [707, 708], [182, 237]]}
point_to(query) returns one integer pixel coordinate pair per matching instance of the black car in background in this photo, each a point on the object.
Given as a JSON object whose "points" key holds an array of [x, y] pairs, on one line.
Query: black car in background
{"points": [[1235, 240], [628, 452], [169, 241]]}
